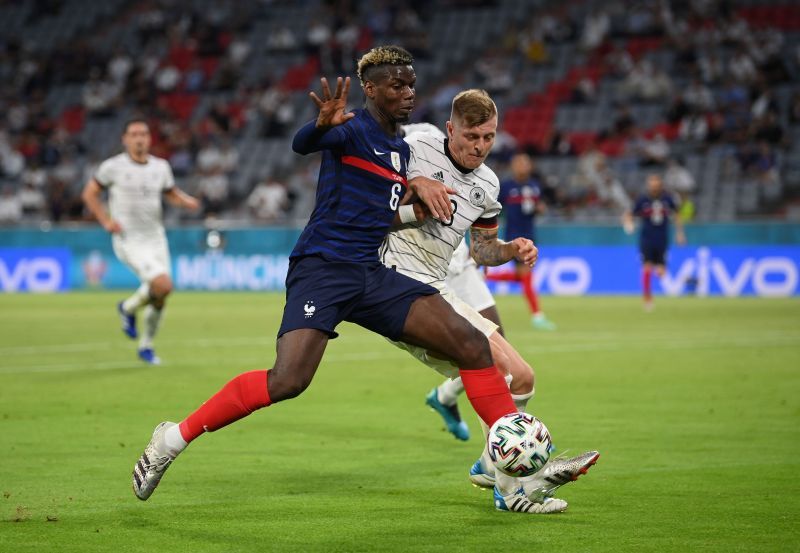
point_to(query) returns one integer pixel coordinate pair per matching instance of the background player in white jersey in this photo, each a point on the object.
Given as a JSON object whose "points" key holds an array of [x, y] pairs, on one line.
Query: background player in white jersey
{"points": [[423, 250], [136, 181]]}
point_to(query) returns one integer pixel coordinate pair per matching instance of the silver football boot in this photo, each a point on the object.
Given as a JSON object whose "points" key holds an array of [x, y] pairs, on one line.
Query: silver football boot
{"points": [[556, 473], [153, 463]]}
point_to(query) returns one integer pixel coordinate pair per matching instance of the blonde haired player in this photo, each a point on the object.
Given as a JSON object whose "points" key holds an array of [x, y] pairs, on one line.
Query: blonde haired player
{"points": [[136, 181], [423, 249]]}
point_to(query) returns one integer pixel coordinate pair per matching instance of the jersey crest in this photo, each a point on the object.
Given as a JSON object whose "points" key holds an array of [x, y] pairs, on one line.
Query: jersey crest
{"points": [[396, 161], [477, 196]]}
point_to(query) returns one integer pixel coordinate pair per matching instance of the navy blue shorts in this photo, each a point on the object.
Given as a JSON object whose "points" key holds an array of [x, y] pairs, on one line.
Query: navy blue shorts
{"points": [[320, 294], [653, 253]]}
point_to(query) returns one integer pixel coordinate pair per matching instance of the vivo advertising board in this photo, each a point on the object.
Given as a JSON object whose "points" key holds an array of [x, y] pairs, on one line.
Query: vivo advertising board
{"points": [[34, 269], [766, 271]]}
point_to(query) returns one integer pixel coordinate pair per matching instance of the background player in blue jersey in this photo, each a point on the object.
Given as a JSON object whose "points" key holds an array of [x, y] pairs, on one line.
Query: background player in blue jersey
{"points": [[522, 200], [654, 209], [335, 273]]}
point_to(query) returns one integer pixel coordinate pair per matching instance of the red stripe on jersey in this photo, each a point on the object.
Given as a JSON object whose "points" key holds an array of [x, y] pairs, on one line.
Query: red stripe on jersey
{"points": [[373, 168], [488, 223]]}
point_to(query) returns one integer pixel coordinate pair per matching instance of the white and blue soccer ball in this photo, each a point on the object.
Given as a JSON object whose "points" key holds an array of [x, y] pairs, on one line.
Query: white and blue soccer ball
{"points": [[519, 444]]}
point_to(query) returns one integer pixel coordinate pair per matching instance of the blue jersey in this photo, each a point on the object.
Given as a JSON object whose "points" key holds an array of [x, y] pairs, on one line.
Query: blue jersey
{"points": [[655, 214], [519, 201], [361, 182]]}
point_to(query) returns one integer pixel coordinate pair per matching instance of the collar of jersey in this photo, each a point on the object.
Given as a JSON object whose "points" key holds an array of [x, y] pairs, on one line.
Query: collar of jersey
{"points": [[137, 162], [456, 164]]}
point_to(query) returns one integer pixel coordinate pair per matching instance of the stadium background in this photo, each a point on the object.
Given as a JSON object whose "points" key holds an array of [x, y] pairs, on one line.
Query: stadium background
{"points": [[694, 406], [706, 92]]}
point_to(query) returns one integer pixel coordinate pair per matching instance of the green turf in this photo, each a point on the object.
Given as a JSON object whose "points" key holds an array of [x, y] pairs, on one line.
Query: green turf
{"points": [[695, 409]]}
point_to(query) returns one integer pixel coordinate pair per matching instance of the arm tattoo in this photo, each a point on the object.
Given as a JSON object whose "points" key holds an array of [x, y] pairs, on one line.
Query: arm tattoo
{"points": [[487, 249]]}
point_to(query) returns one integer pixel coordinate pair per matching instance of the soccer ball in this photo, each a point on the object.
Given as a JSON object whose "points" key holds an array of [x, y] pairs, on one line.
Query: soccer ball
{"points": [[519, 444]]}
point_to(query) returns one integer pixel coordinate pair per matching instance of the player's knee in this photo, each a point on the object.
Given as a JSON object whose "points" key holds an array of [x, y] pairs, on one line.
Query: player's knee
{"points": [[287, 384], [160, 287]]}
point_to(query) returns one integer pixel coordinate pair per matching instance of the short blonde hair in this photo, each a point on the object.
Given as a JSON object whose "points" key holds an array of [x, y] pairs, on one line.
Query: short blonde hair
{"points": [[473, 107], [382, 55]]}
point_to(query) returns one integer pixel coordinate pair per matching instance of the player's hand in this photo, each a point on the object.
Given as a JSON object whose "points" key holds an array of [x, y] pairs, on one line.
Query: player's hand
{"points": [[680, 238], [435, 195], [527, 253], [421, 211], [331, 107], [112, 226], [627, 226], [191, 203]]}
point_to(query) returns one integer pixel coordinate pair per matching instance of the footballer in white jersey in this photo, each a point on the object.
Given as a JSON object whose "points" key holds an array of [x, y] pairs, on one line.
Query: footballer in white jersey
{"points": [[136, 182], [423, 246]]}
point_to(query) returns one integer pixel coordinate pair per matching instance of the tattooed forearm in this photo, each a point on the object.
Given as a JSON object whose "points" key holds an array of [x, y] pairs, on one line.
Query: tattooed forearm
{"points": [[487, 249]]}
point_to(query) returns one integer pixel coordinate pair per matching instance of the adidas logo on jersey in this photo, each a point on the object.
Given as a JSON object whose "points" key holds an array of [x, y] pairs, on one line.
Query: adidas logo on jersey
{"points": [[438, 175]]}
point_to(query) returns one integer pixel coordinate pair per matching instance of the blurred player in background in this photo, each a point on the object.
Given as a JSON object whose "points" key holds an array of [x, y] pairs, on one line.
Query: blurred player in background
{"points": [[335, 273], [522, 201], [136, 181], [423, 247], [654, 209]]}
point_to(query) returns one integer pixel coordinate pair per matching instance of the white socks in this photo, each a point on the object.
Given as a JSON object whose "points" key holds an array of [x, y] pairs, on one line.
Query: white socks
{"points": [[140, 297], [173, 439], [447, 393], [521, 400], [152, 317]]}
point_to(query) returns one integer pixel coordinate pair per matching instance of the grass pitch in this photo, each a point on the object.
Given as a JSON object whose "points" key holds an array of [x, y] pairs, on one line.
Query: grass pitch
{"points": [[694, 407]]}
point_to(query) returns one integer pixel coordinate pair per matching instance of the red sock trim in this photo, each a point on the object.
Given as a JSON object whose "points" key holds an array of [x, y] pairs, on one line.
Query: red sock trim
{"points": [[530, 293], [237, 399], [488, 392]]}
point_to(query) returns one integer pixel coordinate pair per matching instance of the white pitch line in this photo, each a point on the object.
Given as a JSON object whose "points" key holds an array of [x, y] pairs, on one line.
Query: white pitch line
{"points": [[113, 365], [382, 354]]}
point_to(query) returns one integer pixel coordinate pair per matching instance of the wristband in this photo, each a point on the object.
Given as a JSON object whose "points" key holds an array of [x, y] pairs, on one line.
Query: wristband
{"points": [[407, 214]]}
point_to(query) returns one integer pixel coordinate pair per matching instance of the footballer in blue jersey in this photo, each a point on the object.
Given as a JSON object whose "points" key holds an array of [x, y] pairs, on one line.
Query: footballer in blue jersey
{"points": [[654, 210], [521, 197], [335, 274]]}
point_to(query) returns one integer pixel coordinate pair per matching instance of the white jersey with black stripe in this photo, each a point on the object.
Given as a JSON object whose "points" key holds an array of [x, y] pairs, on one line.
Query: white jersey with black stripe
{"points": [[134, 194], [423, 250]]}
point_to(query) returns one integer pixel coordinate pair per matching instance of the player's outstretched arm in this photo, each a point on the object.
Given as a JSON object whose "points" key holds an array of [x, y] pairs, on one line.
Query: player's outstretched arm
{"points": [[315, 135], [91, 199], [178, 197], [487, 249], [435, 196]]}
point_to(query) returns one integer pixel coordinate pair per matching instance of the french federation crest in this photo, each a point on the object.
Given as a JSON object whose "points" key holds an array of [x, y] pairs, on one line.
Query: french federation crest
{"points": [[476, 196], [396, 161]]}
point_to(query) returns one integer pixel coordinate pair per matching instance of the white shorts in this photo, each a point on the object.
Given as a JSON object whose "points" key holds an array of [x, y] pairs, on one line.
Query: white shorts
{"points": [[443, 366], [146, 259], [470, 286]]}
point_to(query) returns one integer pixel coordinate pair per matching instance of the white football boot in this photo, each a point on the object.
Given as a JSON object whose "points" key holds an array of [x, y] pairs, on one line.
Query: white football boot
{"points": [[518, 502], [555, 473], [480, 476], [153, 463]]}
